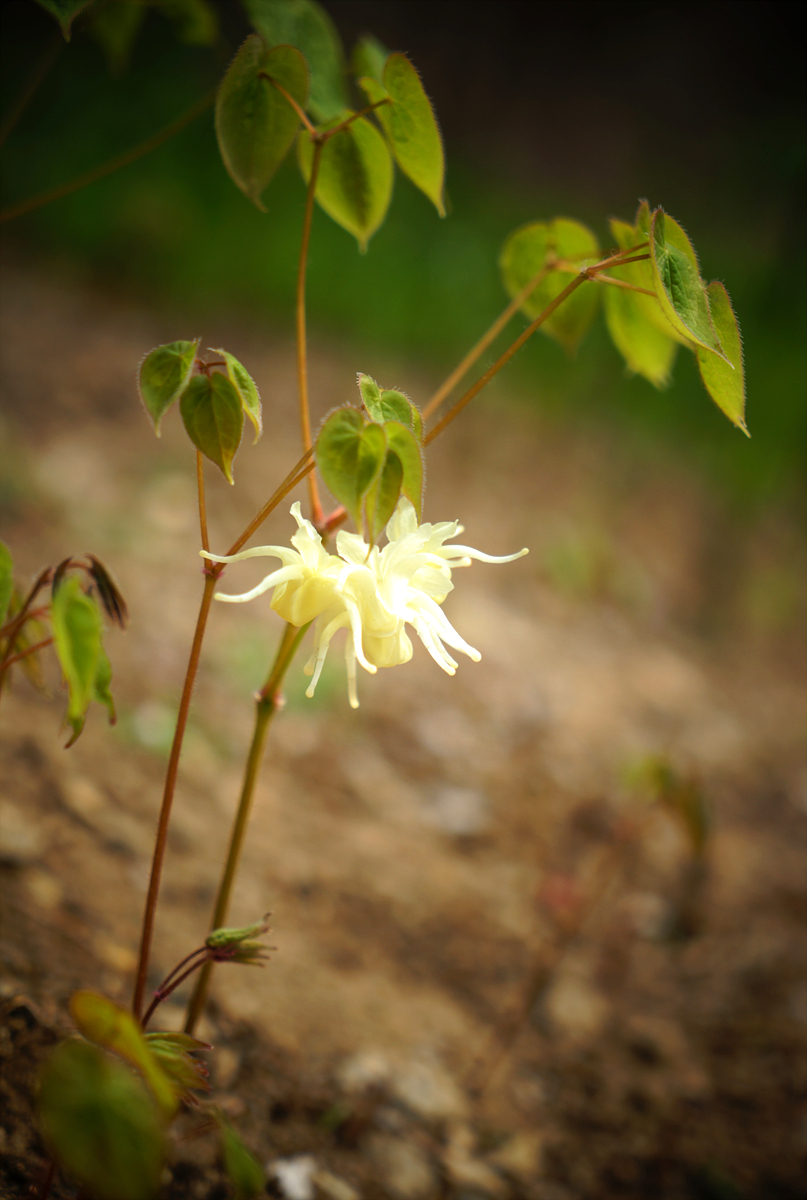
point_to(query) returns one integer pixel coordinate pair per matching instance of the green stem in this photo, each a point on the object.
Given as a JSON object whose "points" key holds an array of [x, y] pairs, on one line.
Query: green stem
{"points": [[108, 168], [267, 703], [211, 578]]}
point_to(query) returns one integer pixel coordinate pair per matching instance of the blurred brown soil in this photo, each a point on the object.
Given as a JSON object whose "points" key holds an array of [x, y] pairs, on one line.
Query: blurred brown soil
{"points": [[500, 969]]}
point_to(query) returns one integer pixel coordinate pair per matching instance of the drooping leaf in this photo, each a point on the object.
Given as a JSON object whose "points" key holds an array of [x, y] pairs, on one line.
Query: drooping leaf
{"points": [[635, 321], [244, 384], [174, 1052], [355, 178], [306, 25], [677, 282], [195, 20], [214, 419], [101, 1124], [383, 496], [255, 124], [76, 622], [101, 692], [350, 456], [115, 27], [65, 12], [113, 1028], [243, 1170], [6, 580], [164, 375], [725, 383], [402, 441], [537, 247], [369, 58], [410, 124], [109, 593]]}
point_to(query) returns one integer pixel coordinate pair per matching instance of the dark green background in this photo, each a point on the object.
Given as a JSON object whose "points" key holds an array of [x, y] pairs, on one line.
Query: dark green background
{"points": [[577, 109]]}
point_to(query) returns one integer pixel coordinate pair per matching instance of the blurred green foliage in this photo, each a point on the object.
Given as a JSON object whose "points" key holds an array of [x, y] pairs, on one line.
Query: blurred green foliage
{"points": [[172, 230]]}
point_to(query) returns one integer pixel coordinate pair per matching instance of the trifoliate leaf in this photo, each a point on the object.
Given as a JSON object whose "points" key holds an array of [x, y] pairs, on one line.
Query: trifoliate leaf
{"points": [[255, 124], [538, 246], [306, 25], [411, 126], [101, 1124], [214, 418], [725, 383], [164, 375], [355, 177]]}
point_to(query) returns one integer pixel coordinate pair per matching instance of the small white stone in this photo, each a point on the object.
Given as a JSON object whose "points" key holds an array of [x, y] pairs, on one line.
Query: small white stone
{"points": [[295, 1176], [457, 810], [427, 1089]]}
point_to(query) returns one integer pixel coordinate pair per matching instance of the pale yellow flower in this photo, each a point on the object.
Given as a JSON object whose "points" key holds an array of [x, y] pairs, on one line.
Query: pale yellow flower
{"points": [[372, 593]]}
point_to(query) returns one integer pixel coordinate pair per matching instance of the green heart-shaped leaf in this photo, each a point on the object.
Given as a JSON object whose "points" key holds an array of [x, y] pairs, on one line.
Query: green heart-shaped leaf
{"points": [[306, 25], [725, 381], [676, 278], [164, 375], [76, 622], [350, 456], [354, 186], [635, 321], [402, 441], [244, 384], [214, 418]]}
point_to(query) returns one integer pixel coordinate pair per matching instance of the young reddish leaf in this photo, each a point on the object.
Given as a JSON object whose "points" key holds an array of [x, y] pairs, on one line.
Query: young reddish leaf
{"points": [[355, 178], [540, 245], [6, 580], [214, 418], [678, 285], [638, 328], [725, 382], [164, 375], [350, 456], [101, 1124], [65, 12], [114, 1028], [411, 126], [255, 124], [76, 623], [244, 384], [306, 25]]}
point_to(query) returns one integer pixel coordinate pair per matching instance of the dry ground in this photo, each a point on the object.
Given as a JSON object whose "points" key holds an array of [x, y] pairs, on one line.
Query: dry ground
{"points": [[500, 970]]}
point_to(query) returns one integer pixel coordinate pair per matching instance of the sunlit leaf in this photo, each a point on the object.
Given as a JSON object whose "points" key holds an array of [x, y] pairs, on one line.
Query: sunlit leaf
{"points": [[214, 419], [410, 124], [76, 622], [539, 246], [164, 375], [369, 58], [725, 383], [677, 282], [306, 25], [244, 384], [255, 124], [635, 320], [350, 456], [108, 1025], [383, 496], [402, 441], [6, 580], [355, 178], [115, 27], [101, 1124], [195, 20], [243, 1170], [65, 12]]}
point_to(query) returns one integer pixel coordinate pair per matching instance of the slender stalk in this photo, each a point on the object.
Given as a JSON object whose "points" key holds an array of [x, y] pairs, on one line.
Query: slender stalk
{"points": [[26, 95], [19, 620], [200, 488], [329, 133], [302, 365], [301, 113], [173, 981], [24, 653], [108, 168], [504, 358], [630, 287], [267, 703], [295, 476], [481, 346], [211, 578]]}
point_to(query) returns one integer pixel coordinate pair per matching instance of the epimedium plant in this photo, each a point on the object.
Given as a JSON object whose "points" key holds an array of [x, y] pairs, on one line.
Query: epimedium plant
{"points": [[110, 1097]]}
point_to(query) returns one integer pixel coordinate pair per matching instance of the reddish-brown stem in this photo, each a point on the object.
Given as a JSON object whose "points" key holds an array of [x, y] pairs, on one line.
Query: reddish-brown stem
{"points": [[114, 164], [20, 618], [325, 134], [30, 650], [630, 287], [302, 364], [295, 476], [481, 346], [211, 578], [297, 108], [165, 989], [200, 488], [485, 379]]}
